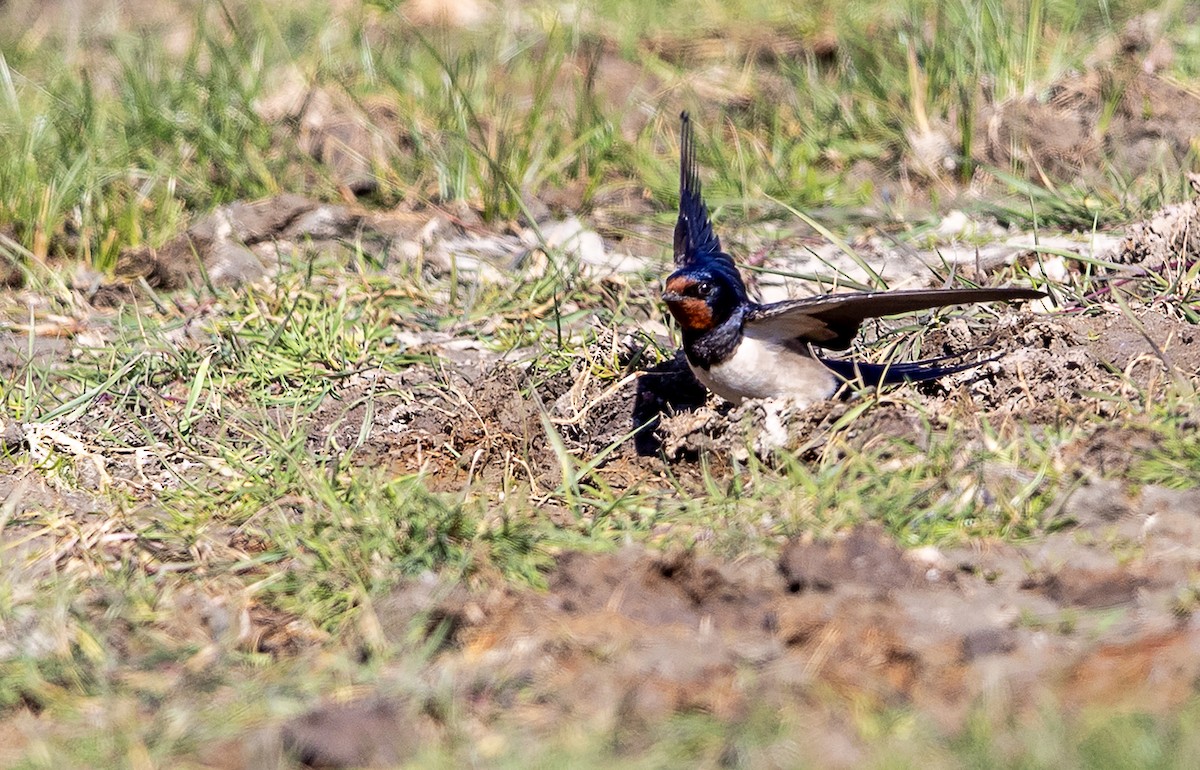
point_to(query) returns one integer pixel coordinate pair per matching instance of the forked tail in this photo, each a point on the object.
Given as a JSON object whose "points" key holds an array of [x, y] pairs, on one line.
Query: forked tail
{"points": [[899, 372]]}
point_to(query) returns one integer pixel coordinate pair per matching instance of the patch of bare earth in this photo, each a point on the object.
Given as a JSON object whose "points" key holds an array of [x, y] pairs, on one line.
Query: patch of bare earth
{"points": [[1152, 120], [1119, 116], [492, 420], [624, 641]]}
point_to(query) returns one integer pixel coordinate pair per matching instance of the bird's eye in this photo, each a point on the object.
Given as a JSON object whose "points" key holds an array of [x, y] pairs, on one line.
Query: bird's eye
{"points": [[704, 288]]}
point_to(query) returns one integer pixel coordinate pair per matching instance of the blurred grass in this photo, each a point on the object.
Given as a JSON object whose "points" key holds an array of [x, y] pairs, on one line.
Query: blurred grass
{"points": [[116, 144]]}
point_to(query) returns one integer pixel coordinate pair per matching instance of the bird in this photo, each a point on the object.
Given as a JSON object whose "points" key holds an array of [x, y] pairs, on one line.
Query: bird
{"points": [[742, 350]]}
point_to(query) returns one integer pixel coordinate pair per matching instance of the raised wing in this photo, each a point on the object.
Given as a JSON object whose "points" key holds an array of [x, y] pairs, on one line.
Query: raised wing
{"points": [[695, 240], [831, 321]]}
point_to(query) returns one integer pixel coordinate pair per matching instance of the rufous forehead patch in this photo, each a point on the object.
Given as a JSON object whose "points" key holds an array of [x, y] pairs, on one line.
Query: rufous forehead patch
{"points": [[679, 284], [693, 314]]}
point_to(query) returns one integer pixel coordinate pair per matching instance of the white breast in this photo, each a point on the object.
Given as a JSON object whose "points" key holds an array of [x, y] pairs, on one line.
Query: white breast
{"points": [[764, 368]]}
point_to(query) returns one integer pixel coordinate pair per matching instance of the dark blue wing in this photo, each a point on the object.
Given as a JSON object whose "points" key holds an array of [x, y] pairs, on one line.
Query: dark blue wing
{"points": [[695, 241], [831, 320], [895, 373]]}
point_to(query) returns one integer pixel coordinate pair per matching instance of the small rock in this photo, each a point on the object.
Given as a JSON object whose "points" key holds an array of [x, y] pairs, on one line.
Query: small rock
{"points": [[374, 733], [865, 557], [988, 641], [1098, 503], [573, 239]]}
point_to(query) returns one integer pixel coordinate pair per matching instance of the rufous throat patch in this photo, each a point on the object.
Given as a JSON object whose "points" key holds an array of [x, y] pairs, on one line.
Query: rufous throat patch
{"points": [[693, 314]]}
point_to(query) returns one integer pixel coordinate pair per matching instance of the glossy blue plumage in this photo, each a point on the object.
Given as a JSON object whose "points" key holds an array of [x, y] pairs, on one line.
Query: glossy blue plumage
{"points": [[896, 372], [698, 252], [714, 330]]}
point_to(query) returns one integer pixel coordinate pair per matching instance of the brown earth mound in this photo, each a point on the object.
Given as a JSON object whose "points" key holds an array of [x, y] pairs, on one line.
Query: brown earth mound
{"points": [[624, 641], [1120, 118]]}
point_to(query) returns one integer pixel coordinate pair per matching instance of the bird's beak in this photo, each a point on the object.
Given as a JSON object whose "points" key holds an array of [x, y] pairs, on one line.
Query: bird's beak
{"points": [[671, 296]]}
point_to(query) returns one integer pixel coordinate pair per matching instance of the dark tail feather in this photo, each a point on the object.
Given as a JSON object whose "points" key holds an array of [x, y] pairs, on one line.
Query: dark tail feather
{"points": [[895, 373], [695, 239]]}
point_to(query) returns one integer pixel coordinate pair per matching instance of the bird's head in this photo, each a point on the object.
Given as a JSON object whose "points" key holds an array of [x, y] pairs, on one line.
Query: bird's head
{"points": [[703, 297]]}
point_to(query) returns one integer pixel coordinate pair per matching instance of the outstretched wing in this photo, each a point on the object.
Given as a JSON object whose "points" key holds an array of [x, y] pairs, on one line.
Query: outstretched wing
{"points": [[695, 241], [832, 321]]}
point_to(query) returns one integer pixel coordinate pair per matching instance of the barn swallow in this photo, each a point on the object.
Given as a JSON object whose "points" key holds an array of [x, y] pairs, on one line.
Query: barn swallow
{"points": [[741, 349]]}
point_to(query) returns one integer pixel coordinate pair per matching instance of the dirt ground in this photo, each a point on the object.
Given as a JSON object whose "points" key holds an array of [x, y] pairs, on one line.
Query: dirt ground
{"points": [[1096, 613], [623, 641]]}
